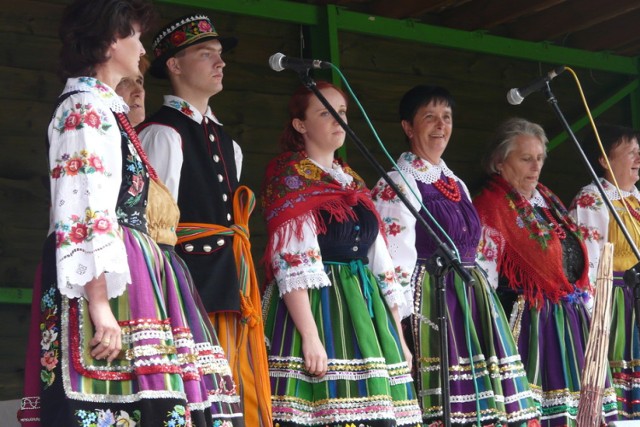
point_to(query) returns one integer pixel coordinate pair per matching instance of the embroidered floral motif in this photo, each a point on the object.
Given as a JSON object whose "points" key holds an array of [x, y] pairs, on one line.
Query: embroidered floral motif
{"points": [[309, 170], [49, 343], [386, 278], [404, 277], [588, 201], [178, 417], [81, 162], [182, 106], [83, 229], [106, 418], [135, 176], [295, 259], [220, 423], [393, 226], [81, 115], [382, 191]]}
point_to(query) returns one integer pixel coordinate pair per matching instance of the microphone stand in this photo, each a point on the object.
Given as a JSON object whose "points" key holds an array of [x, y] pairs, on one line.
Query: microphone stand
{"points": [[439, 264], [631, 276]]}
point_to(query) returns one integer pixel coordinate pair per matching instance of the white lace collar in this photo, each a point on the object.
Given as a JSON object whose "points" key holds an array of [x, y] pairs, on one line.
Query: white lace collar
{"points": [[537, 200], [336, 172], [612, 192], [106, 94], [422, 170]]}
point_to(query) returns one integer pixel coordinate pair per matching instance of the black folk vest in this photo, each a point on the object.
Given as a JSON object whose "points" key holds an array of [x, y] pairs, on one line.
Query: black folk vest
{"points": [[208, 179]]}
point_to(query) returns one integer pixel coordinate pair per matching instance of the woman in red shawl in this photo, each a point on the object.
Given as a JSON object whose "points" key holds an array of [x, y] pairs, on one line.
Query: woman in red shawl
{"points": [[534, 255], [333, 304]]}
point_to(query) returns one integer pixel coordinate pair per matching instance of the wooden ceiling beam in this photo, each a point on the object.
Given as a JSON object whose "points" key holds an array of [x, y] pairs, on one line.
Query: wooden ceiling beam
{"points": [[569, 17], [609, 34], [402, 9], [488, 14]]}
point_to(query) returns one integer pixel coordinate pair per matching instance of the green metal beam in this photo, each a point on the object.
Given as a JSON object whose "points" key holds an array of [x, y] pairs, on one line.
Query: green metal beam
{"points": [[423, 33], [484, 43], [15, 295], [628, 89]]}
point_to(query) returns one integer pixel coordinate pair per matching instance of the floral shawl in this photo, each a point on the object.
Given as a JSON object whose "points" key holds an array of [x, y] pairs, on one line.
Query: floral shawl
{"points": [[294, 187], [529, 251]]}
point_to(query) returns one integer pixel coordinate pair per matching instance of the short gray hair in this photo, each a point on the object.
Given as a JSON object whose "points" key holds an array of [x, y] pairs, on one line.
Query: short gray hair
{"points": [[502, 143]]}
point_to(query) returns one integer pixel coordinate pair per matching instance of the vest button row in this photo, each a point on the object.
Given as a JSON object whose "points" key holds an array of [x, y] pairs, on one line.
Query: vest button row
{"points": [[216, 158], [220, 178], [211, 137], [206, 248]]}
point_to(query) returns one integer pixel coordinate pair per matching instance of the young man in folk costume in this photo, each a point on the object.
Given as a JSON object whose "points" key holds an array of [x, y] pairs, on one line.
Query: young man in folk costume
{"points": [[201, 163]]}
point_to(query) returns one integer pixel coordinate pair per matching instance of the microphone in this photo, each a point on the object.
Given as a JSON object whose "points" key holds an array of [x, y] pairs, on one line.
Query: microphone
{"points": [[516, 95], [279, 62]]}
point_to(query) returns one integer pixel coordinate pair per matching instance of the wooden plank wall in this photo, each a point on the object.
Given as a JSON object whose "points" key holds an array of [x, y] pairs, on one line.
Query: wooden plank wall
{"points": [[253, 107]]}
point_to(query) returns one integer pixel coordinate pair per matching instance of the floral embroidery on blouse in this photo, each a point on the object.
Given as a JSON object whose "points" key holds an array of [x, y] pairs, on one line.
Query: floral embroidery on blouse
{"points": [[81, 162], [587, 201], [49, 343], [182, 106], [288, 260], [106, 418], [81, 115], [83, 229], [385, 193], [392, 226], [85, 166]]}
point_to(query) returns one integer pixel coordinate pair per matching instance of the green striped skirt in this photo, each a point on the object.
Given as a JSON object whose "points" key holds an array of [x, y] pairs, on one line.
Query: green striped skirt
{"points": [[367, 383]]}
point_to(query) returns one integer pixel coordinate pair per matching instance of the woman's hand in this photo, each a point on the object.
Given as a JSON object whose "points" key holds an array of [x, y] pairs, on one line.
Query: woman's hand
{"points": [[403, 344], [313, 352], [107, 340], [315, 356]]}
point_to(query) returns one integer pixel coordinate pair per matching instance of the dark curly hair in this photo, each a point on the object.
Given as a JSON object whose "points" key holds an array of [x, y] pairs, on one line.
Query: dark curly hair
{"points": [[88, 28], [291, 139]]}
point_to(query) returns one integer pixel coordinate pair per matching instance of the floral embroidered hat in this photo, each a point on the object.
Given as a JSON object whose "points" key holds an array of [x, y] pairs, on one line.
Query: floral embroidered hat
{"points": [[180, 34]]}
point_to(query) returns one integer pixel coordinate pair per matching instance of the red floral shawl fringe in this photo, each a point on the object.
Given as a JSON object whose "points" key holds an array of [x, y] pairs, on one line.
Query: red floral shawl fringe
{"points": [[529, 252], [294, 187]]}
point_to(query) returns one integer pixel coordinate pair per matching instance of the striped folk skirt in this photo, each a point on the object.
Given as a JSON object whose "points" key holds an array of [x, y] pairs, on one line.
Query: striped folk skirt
{"points": [[624, 350], [171, 371], [552, 341], [486, 377], [368, 382]]}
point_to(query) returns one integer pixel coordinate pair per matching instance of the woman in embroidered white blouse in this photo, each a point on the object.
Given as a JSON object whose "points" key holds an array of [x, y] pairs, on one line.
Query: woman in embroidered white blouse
{"points": [[621, 146], [426, 114]]}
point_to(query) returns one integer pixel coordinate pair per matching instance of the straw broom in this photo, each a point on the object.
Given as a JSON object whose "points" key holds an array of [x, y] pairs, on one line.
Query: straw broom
{"points": [[595, 364]]}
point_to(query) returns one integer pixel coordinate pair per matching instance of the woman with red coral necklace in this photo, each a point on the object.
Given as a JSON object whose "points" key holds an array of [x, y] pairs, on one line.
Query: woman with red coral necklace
{"points": [[621, 146], [426, 114], [534, 255]]}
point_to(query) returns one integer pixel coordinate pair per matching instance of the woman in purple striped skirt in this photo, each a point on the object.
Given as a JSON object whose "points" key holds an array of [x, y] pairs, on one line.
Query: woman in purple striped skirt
{"points": [[117, 336]]}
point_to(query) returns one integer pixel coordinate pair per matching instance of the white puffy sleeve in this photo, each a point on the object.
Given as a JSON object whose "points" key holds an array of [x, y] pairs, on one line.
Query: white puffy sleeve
{"points": [[298, 265], [163, 145], [400, 228], [85, 168], [592, 216], [487, 255], [382, 267]]}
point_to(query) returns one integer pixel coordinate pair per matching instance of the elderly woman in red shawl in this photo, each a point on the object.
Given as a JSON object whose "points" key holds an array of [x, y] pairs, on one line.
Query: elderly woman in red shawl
{"points": [[534, 255], [333, 305]]}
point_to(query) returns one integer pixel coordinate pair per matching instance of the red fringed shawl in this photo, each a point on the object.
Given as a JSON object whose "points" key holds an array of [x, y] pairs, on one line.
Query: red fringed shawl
{"points": [[294, 187], [529, 251]]}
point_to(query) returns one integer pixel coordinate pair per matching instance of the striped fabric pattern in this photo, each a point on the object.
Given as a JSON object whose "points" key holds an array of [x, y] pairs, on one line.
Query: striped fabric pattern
{"points": [[503, 394], [368, 382]]}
